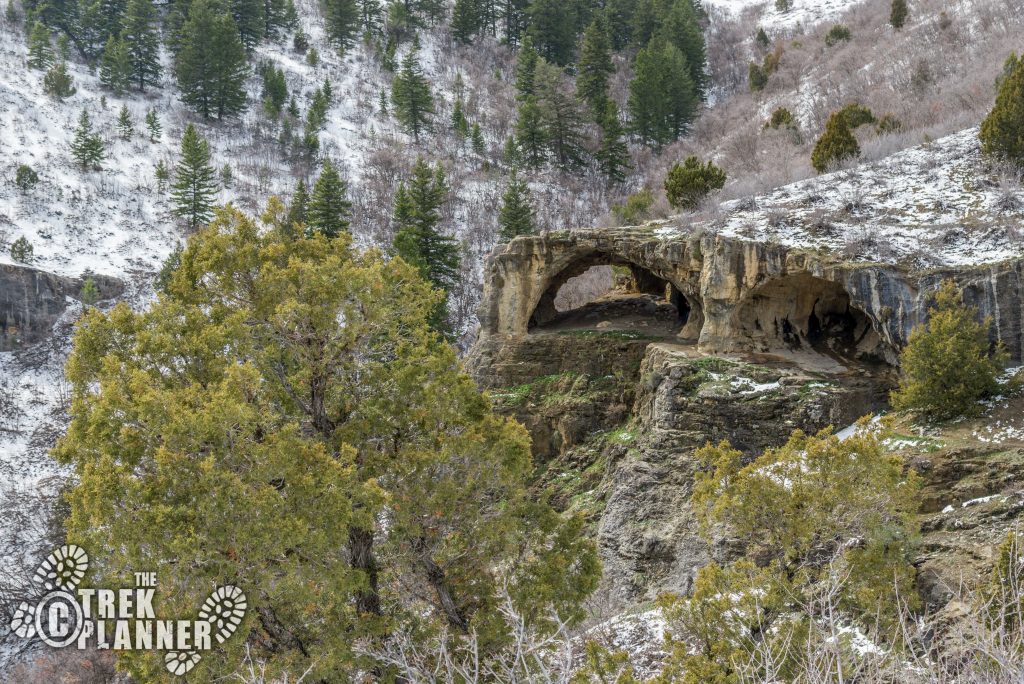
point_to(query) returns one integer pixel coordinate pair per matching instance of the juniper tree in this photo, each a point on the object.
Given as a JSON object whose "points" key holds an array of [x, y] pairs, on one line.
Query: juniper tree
{"points": [[211, 65], [124, 123], [143, 43], [115, 66], [835, 145], [898, 14], [153, 125], [516, 214], [613, 154], [22, 250], [40, 52], [410, 94], [1002, 131], [87, 147], [195, 184], [329, 209], [688, 183], [595, 66]]}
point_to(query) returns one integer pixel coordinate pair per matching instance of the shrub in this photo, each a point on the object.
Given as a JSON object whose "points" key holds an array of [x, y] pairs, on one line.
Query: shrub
{"points": [[687, 184], [300, 42], [781, 118], [947, 365], [25, 178], [837, 34], [888, 124], [783, 5], [898, 15], [58, 82], [635, 209], [758, 75], [1002, 131], [835, 145], [857, 115], [21, 250], [89, 294]]}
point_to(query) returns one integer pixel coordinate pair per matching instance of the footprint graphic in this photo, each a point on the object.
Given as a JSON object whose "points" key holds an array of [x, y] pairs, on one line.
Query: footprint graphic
{"points": [[224, 610], [63, 569]]}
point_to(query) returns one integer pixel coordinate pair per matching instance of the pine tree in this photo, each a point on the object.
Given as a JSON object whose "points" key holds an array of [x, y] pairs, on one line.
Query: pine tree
{"points": [[153, 126], [835, 145], [343, 21], [561, 117], [124, 123], [87, 147], [681, 28], [58, 82], [275, 18], [371, 16], [195, 185], [613, 154], [516, 214], [465, 20], [1002, 131], [410, 94], [688, 183], [459, 123], [530, 139], [297, 208], [316, 115], [898, 14], [477, 140], [595, 66], [662, 98], [249, 20], [211, 65], [329, 209], [553, 30], [115, 65], [162, 175], [275, 91], [40, 52], [140, 35], [526, 69]]}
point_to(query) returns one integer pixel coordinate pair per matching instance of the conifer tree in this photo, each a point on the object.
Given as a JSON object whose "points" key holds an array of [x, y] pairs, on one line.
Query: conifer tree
{"points": [[410, 94], [530, 139], [1002, 131], [87, 147], [143, 43], [195, 183], [297, 208], [561, 117], [662, 98], [526, 68], [898, 14], [249, 21], [124, 123], [835, 145], [153, 125], [553, 30], [58, 82], [329, 209], [613, 154], [595, 66], [162, 175], [465, 20], [370, 16], [680, 26], [516, 214], [115, 65], [275, 18], [343, 21], [688, 183], [40, 52], [459, 123], [211, 64], [477, 140], [275, 91]]}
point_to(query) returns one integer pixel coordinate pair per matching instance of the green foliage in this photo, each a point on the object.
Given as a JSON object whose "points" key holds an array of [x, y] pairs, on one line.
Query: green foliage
{"points": [[1003, 596], [299, 381], [89, 294], [758, 74], [560, 117], [211, 65], [275, 91], [410, 94], [329, 209], [947, 366], [835, 145], [312, 57], [526, 68], [143, 43], [688, 183], [552, 30], [516, 214], [195, 186], [167, 269], [21, 250], [837, 34], [601, 665], [888, 124], [761, 38], [25, 177], [898, 14], [662, 96], [125, 127], [459, 123], [162, 174], [781, 118], [343, 22], [300, 42], [817, 519], [635, 209], [476, 137], [595, 66], [297, 207], [1002, 131], [613, 154], [153, 126], [87, 147], [58, 81], [783, 5], [857, 115], [40, 52], [530, 137], [115, 66]]}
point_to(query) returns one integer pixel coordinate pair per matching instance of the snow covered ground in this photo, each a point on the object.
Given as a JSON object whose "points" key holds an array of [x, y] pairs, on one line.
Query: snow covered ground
{"points": [[804, 13]]}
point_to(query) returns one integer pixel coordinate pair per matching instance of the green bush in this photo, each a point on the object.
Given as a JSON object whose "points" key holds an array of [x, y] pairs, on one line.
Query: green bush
{"points": [[835, 145], [781, 118], [635, 209], [888, 124], [857, 115], [783, 5], [58, 82], [947, 365], [89, 294], [758, 74], [688, 183], [898, 15], [25, 178], [1002, 131], [837, 34], [21, 250]]}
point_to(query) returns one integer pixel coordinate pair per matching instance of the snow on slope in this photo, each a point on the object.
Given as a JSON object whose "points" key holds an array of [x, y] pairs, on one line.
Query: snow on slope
{"points": [[803, 13]]}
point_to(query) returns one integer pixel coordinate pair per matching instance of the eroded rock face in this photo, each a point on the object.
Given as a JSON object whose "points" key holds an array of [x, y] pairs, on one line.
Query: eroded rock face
{"points": [[32, 300], [745, 296]]}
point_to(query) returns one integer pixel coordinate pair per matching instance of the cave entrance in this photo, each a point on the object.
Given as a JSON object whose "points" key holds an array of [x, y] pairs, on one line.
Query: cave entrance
{"points": [[601, 292], [803, 312]]}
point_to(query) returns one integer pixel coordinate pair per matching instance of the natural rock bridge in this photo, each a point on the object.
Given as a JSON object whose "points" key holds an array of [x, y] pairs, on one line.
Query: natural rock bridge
{"points": [[741, 296]]}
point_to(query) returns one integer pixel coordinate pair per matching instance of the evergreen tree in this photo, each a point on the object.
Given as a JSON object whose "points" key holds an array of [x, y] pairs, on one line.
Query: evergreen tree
{"points": [[410, 94], [316, 116], [516, 214], [40, 52], [477, 140], [249, 20], [343, 22], [662, 98], [329, 209], [553, 30], [561, 117], [898, 14], [459, 123], [530, 139], [516, 17], [370, 16], [1002, 131], [947, 366], [465, 20], [115, 65], [211, 65], [162, 175], [526, 69], [680, 26], [195, 186], [291, 16], [87, 147], [153, 126], [58, 82], [275, 18], [418, 239], [124, 123], [595, 66], [297, 208], [688, 183], [613, 154], [143, 43], [275, 91], [835, 145]]}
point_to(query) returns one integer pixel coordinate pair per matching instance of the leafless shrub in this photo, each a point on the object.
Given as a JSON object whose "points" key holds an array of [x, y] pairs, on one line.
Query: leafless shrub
{"points": [[67, 666]]}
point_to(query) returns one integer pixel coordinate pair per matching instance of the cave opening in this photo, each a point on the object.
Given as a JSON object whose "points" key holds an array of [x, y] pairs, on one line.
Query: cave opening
{"points": [[603, 292]]}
